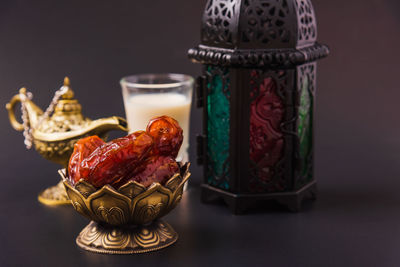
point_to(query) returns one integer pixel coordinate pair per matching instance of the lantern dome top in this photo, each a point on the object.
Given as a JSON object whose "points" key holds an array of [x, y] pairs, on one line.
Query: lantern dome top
{"points": [[234, 28]]}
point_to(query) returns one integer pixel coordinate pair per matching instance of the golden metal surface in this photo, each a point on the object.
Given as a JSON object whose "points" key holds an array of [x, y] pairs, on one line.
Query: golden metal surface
{"points": [[118, 240], [54, 195], [34, 110], [54, 137], [131, 205]]}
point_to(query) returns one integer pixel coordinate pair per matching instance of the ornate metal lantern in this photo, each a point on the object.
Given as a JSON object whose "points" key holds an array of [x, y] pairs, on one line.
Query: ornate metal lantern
{"points": [[258, 93]]}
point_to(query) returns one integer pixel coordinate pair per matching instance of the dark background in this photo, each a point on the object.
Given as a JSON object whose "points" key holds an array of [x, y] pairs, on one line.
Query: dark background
{"points": [[356, 220]]}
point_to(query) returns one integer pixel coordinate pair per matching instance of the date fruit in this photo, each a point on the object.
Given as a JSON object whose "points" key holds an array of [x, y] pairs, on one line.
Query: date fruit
{"points": [[113, 161], [82, 149], [158, 170], [143, 156], [167, 135]]}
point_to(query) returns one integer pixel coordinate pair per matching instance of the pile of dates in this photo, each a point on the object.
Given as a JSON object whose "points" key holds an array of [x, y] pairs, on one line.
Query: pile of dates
{"points": [[143, 156]]}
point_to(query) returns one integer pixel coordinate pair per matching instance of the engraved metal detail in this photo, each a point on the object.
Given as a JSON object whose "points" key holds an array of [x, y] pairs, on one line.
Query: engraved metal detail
{"points": [[278, 58], [307, 26], [54, 195], [125, 220], [113, 215], [266, 24], [219, 21], [126, 240]]}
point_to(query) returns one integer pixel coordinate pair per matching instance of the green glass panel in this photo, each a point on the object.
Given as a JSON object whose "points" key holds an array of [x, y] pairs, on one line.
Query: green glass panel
{"points": [[218, 108], [305, 129]]}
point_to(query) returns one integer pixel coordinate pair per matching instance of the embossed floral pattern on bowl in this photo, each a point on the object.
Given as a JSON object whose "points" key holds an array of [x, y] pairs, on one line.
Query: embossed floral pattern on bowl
{"points": [[131, 204]]}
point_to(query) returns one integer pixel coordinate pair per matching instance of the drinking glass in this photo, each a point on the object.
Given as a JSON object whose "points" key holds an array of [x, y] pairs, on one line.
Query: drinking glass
{"points": [[150, 95]]}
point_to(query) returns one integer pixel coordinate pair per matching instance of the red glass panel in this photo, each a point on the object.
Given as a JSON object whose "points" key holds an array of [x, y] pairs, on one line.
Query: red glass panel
{"points": [[266, 137]]}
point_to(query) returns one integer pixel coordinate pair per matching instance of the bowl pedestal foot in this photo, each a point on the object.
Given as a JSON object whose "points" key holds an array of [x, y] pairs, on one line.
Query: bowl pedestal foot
{"points": [[108, 239], [54, 195]]}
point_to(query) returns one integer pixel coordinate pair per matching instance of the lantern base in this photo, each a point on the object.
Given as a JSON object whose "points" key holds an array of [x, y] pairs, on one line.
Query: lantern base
{"points": [[239, 203]]}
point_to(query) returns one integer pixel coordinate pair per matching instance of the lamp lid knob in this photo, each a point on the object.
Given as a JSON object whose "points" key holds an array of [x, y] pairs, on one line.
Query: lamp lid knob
{"points": [[68, 94]]}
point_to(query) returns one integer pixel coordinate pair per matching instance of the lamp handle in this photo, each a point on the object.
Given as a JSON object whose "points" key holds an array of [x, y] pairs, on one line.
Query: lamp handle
{"points": [[11, 113]]}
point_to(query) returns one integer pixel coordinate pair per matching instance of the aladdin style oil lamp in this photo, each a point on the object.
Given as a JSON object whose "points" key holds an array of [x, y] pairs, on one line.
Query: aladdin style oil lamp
{"points": [[258, 93], [54, 136]]}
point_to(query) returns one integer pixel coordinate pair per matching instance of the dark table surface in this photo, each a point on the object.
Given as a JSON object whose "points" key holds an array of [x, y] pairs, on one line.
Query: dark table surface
{"points": [[354, 222]]}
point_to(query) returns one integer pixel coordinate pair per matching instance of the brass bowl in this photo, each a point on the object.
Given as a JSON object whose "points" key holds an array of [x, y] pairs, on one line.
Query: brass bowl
{"points": [[126, 220]]}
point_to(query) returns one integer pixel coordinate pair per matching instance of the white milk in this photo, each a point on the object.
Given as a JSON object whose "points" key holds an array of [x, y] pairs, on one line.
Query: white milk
{"points": [[141, 108]]}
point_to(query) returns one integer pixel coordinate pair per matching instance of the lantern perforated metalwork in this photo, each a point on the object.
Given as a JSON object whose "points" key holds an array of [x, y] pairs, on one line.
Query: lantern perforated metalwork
{"points": [[258, 94]]}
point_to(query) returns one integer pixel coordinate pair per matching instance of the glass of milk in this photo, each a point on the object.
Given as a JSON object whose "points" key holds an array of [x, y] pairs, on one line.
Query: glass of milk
{"points": [[150, 95]]}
